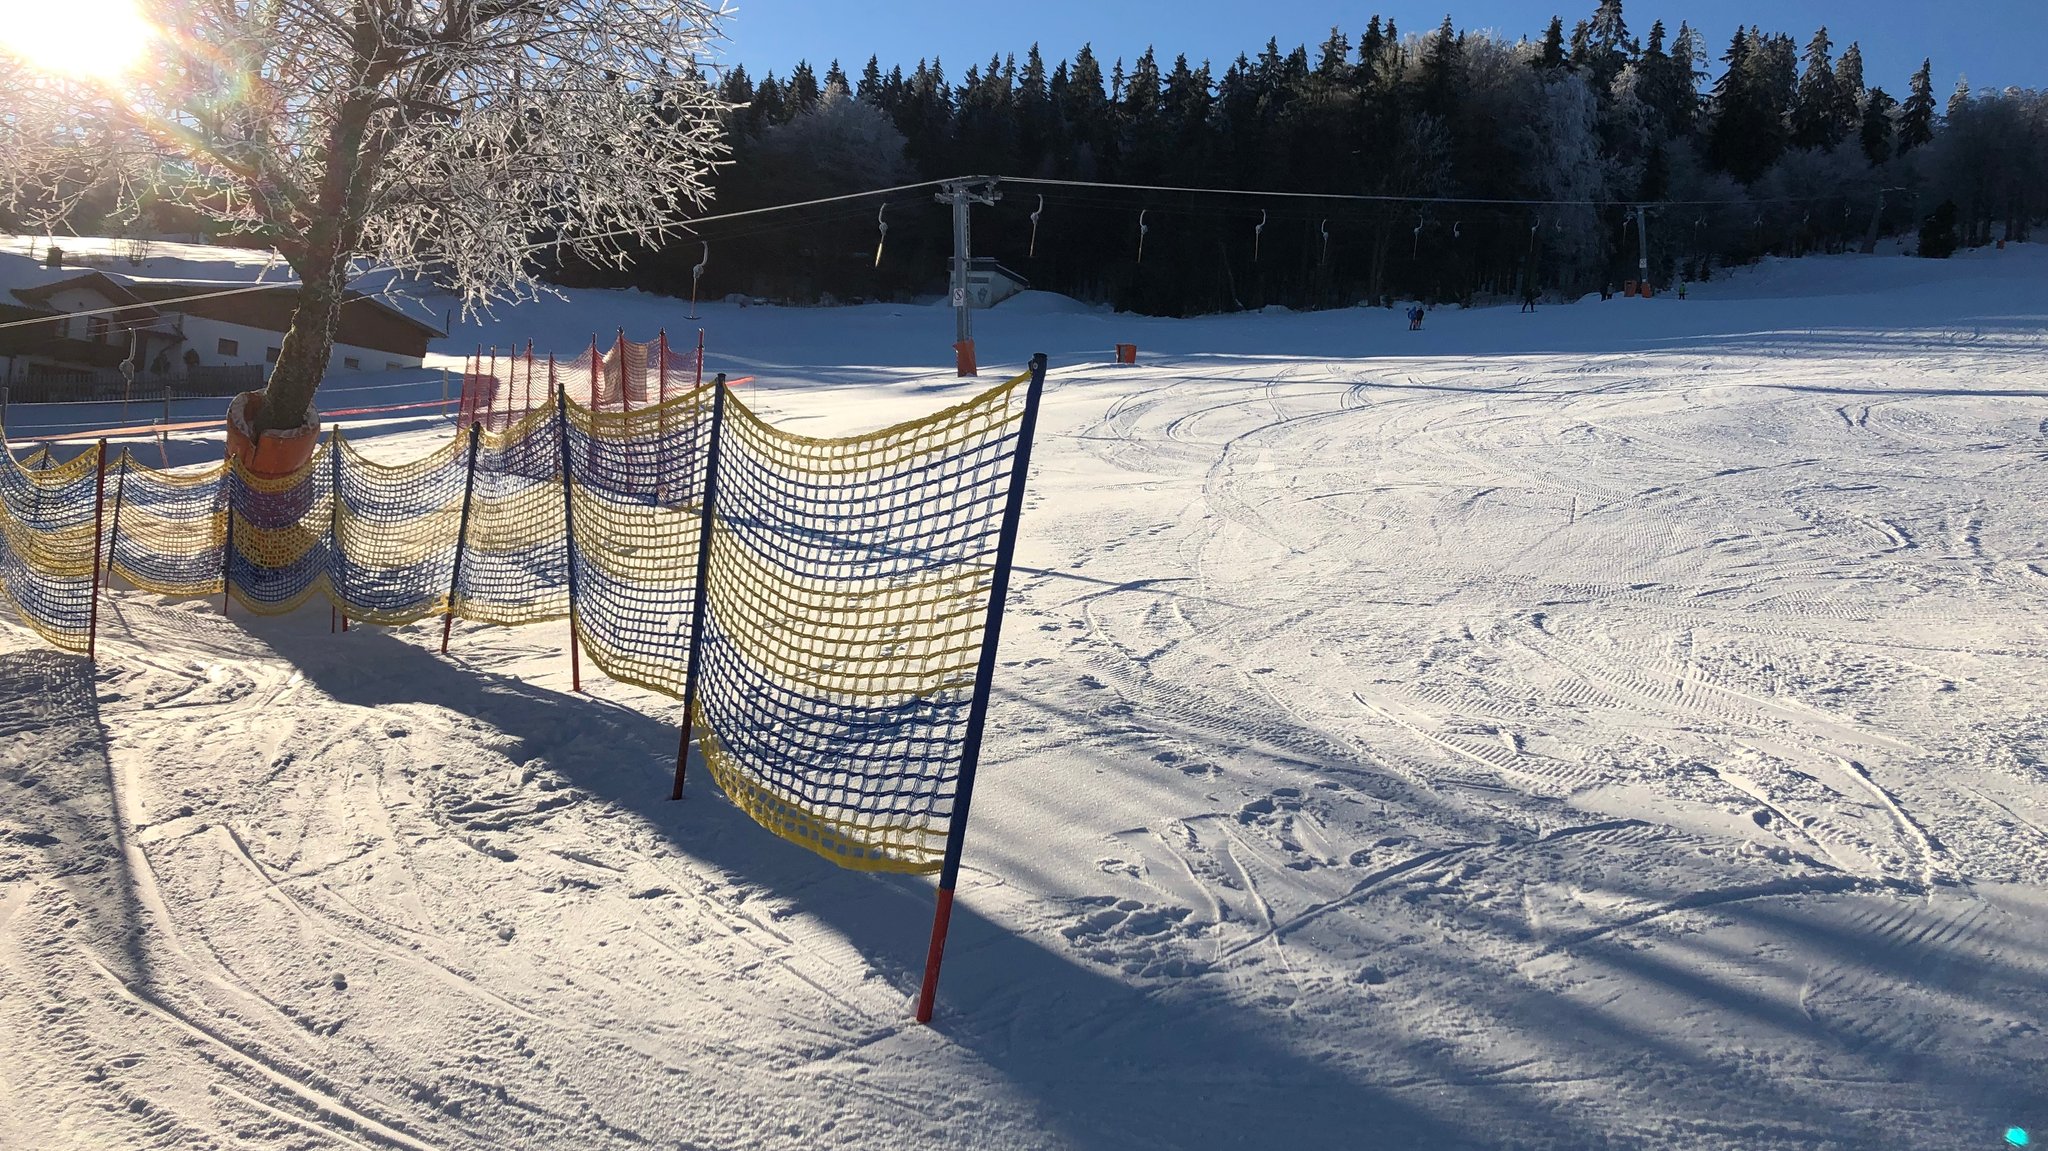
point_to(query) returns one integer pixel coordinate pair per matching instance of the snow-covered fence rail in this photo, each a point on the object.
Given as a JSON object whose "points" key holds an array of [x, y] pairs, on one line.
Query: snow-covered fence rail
{"points": [[827, 609]]}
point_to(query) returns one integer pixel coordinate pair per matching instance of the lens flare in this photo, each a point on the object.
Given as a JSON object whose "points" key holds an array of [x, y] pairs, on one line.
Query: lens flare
{"points": [[80, 39]]}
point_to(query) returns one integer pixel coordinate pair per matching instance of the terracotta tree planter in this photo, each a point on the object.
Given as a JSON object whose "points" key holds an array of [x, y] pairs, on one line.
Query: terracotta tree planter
{"points": [[274, 454]]}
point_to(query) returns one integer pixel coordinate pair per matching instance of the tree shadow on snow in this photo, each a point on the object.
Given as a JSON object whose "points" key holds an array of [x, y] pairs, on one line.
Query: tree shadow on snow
{"points": [[1106, 1064], [60, 822]]}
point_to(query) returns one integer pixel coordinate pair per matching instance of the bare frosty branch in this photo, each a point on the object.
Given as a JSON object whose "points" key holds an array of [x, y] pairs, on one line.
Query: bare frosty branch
{"points": [[457, 132]]}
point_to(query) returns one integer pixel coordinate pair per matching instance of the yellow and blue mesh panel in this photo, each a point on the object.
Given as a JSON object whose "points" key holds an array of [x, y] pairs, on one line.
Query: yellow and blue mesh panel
{"points": [[847, 601], [844, 589], [515, 566], [167, 528], [394, 532], [279, 541], [47, 545], [639, 490]]}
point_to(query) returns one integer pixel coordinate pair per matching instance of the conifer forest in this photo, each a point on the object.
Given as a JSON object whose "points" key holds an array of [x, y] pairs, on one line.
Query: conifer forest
{"points": [[1480, 167]]}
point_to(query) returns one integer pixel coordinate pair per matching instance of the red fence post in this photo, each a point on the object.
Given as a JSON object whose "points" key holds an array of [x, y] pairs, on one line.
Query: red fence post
{"points": [[625, 378]]}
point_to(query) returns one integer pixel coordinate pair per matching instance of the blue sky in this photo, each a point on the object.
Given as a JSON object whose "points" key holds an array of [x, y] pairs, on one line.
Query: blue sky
{"points": [[1996, 42]]}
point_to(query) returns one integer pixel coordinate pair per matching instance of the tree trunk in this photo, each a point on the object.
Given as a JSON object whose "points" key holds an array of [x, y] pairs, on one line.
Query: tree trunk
{"points": [[1876, 221], [308, 344]]}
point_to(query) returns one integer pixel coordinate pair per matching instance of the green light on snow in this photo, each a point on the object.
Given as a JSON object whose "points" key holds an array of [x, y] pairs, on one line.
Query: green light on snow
{"points": [[2017, 1136]]}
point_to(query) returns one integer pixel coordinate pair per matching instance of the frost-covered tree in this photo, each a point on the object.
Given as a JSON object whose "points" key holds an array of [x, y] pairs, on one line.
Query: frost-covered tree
{"points": [[1849, 89], [457, 134], [1564, 163], [1991, 161], [1608, 45]]}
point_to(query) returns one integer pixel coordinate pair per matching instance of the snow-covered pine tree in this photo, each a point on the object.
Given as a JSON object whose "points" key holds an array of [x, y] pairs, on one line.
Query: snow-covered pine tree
{"points": [[802, 93], [1876, 131], [1849, 90], [1550, 58], [1608, 45], [1816, 108], [1916, 115]]}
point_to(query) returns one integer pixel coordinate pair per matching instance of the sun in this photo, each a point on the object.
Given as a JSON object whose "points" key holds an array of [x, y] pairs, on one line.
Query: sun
{"points": [[80, 39]]}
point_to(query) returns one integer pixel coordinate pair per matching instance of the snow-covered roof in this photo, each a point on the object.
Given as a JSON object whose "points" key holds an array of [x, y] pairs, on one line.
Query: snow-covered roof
{"points": [[140, 264]]}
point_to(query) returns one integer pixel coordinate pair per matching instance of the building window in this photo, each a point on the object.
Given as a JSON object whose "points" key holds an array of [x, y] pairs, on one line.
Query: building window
{"points": [[228, 347], [270, 355], [96, 329], [352, 363]]}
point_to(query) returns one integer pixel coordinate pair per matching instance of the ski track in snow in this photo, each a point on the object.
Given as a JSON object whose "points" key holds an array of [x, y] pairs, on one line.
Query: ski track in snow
{"points": [[1524, 749]]}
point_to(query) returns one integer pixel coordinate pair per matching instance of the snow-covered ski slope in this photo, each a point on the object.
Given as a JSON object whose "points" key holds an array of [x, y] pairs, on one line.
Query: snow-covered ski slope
{"points": [[1617, 727]]}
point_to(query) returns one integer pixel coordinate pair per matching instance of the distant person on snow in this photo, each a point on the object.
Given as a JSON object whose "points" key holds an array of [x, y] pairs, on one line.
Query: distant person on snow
{"points": [[1529, 298], [1415, 318]]}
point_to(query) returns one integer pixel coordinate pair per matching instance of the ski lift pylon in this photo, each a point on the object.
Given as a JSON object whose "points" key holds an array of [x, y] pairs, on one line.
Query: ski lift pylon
{"points": [[696, 274]]}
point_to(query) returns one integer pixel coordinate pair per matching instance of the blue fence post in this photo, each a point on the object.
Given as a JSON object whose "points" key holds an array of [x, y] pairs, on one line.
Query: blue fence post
{"points": [[984, 679], [461, 536], [336, 562], [568, 515], [114, 532], [706, 517], [99, 509], [227, 548]]}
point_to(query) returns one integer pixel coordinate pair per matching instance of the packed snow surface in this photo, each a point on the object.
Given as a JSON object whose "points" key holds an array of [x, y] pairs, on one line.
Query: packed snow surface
{"points": [[1619, 726]]}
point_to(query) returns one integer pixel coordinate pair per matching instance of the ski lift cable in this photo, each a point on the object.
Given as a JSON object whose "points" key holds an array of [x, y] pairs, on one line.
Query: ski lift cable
{"points": [[689, 226], [244, 290], [1378, 199], [527, 249]]}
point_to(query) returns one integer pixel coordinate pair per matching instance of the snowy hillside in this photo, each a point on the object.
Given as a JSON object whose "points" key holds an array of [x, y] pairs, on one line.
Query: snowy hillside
{"points": [[1618, 727]]}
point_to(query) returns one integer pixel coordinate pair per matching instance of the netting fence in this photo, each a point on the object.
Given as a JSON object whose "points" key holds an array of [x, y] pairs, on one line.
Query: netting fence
{"points": [[826, 609]]}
